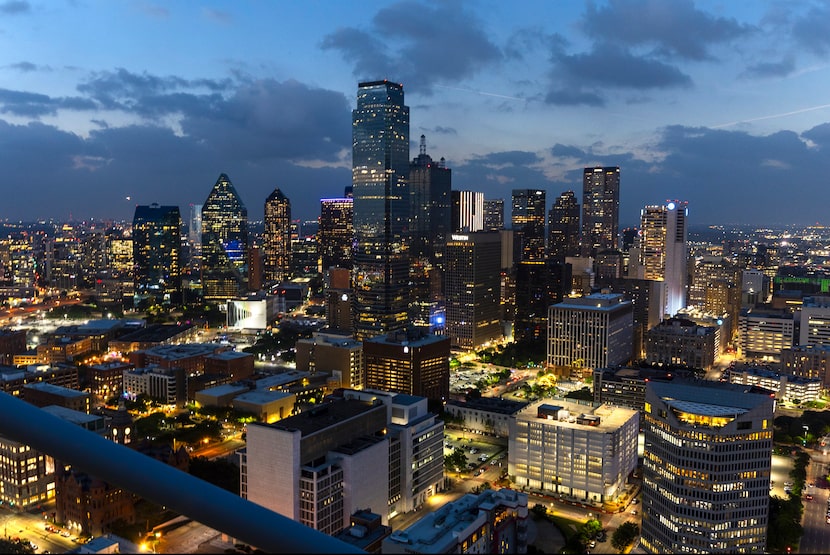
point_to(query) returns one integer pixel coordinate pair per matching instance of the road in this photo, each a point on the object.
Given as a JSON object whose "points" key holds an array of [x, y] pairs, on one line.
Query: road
{"points": [[816, 536], [218, 450], [32, 527]]}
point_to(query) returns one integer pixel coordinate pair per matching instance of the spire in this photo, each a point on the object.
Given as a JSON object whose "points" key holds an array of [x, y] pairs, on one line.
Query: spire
{"points": [[423, 145]]}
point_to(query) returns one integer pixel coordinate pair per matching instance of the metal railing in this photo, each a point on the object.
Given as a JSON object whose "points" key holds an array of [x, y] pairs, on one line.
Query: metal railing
{"points": [[160, 483]]}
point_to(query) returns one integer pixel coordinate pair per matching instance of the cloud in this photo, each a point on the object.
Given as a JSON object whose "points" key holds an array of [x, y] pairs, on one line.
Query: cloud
{"points": [[25, 67], [35, 105], [219, 16], [675, 29], [15, 7], [431, 44], [781, 68], [812, 29]]}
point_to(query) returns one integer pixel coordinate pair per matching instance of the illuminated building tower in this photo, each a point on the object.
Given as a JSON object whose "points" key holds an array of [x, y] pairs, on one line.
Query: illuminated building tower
{"points": [[706, 468], [472, 285], [494, 214], [528, 220], [594, 331], [467, 211], [224, 242], [194, 236], [157, 254], [664, 251], [429, 192], [380, 171], [336, 233], [408, 361], [600, 209], [277, 237], [563, 227]]}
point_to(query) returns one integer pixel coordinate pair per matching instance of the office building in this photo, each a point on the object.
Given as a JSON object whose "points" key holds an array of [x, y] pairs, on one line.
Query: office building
{"points": [[467, 211], [380, 172], [765, 332], [808, 361], [224, 243], [539, 284], [430, 183], [338, 355], [276, 239], [706, 468], [815, 321], [528, 223], [563, 227], [626, 386], [485, 415], [600, 209], [320, 466], [584, 452], [681, 342], [494, 214], [194, 237], [157, 255], [589, 332], [493, 521], [664, 251], [416, 447], [786, 387], [336, 233], [167, 386], [647, 297], [472, 286], [408, 361]]}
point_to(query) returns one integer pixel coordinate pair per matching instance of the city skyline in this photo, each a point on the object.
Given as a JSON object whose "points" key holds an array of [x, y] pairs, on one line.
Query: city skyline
{"points": [[692, 103]]}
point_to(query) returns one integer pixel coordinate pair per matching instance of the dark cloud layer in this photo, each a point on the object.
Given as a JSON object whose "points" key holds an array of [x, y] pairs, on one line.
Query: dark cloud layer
{"points": [[432, 43]]}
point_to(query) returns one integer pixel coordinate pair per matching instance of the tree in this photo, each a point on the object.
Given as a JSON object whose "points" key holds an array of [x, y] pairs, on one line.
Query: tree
{"points": [[624, 535]]}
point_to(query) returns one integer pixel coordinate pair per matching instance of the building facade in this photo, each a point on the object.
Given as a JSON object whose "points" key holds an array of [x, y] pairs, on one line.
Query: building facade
{"points": [[528, 223], [380, 172], [224, 243], [664, 251], [681, 342], [563, 227], [157, 256], [430, 183], [706, 468], [336, 233], [276, 239], [600, 209]]}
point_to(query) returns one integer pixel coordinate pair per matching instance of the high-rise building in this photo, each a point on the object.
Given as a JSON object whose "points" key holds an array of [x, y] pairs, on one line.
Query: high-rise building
{"points": [[664, 251], [194, 236], [408, 361], [539, 284], [157, 254], [429, 191], [335, 235], [528, 221], [224, 242], [467, 211], [493, 214], [277, 237], [472, 284], [706, 468], [380, 171], [600, 209], [563, 227], [594, 331]]}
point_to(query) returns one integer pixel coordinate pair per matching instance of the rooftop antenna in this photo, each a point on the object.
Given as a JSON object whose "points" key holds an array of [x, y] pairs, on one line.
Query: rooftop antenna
{"points": [[423, 145]]}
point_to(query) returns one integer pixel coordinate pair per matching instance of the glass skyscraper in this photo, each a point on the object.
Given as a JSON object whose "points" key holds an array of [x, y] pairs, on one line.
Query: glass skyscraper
{"points": [[528, 221], [563, 227], [336, 233], [277, 237], [224, 242], [157, 254], [380, 169]]}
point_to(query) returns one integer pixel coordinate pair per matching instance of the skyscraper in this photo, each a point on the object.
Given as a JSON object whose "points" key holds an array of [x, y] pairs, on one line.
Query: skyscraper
{"points": [[157, 254], [380, 171], [224, 242], [493, 214], [706, 468], [664, 251], [528, 220], [277, 237], [336, 233], [563, 227], [467, 211], [429, 192], [600, 209]]}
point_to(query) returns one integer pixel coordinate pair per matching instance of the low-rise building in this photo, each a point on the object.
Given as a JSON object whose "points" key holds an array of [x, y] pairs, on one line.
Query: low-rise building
{"points": [[487, 415], [266, 406], [808, 361], [786, 387], [681, 342], [166, 385]]}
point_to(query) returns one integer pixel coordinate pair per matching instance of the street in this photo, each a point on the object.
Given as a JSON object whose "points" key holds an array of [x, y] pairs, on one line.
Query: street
{"points": [[816, 536]]}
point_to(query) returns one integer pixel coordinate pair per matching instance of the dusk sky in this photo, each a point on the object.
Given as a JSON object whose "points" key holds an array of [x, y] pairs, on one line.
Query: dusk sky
{"points": [[108, 104]]}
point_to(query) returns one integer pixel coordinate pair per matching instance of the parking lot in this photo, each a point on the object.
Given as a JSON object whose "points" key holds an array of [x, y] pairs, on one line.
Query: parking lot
{"points": [[482, 452]]}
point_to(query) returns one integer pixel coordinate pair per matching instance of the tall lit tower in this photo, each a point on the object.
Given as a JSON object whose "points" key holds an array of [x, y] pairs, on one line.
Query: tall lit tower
{"points": [[157, 254], [224, 242], [600, 210], [467, 211], [336, 232], [664, 251], [429, 191], [563, 227], [380, 168], [528, 219], [277, 238]]}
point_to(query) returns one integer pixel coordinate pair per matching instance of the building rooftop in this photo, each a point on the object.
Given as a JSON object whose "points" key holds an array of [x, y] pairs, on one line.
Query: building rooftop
{"points": [[490, 404], [324, 415], [224, 389], [176, 352], [230, 355], [568, 414], [404, 399], [281, 379], [156, 333], [73, 416], [262, 397], [55, 389], [709, 397], [596, 301]]}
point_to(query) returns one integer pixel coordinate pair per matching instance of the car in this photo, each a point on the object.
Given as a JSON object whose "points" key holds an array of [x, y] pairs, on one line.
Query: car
{"points": [[635, 501], [634, 511], [592, 543], [808, 497]]}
